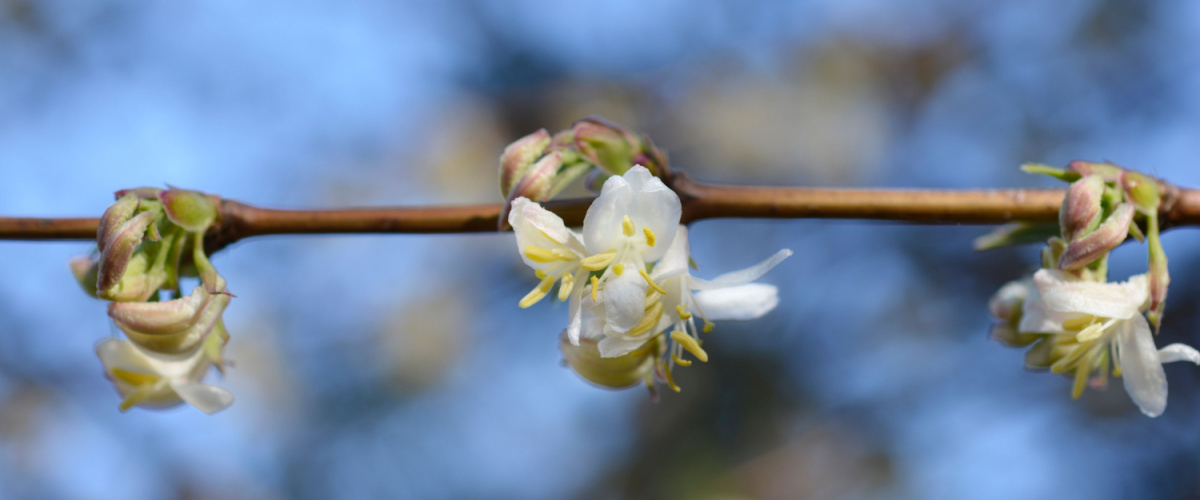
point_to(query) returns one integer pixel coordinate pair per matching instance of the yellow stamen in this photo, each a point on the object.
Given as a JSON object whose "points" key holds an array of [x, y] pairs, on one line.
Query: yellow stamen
{"points": [[133, 378], [539, 273], [564, 255], [680, 361], [540, 255], [1092, 332], [618, 269], [627, 226], [670, 379], [598, 261], [1081, 376], [1076, 324], [653, 285], [595, 287], [708, 326], [650, 239], [653, 314], [538, 292], [652, 297], [689, 343], [564, 289], [683, 314]]}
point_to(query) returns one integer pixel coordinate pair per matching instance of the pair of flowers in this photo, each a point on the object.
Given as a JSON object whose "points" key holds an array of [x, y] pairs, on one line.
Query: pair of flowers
{"points": [[634, 308]]}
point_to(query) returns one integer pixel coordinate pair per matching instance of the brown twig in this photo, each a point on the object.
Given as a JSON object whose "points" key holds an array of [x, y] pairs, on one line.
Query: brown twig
{"points": [[700, 201]]}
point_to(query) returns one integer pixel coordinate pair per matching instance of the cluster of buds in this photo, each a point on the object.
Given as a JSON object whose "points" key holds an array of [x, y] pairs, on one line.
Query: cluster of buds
{"points": [[147, 242], [540, 165], [1077, 322]]}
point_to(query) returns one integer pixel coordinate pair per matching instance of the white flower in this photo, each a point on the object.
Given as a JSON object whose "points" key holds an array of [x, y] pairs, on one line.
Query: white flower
{"points": [[1094, 319], [155, 380], [629, 225]]}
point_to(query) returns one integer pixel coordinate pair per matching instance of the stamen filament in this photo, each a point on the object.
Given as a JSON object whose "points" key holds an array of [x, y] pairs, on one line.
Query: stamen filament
{"points": [[653, 285], [650, 238], [598, 261], [670, 379], [680, 361], [627, 226], [538, 292], [690, 344]]}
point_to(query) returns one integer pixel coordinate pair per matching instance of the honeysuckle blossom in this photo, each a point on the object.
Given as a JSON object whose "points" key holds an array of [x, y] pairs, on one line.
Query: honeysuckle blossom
{"points": [[628, 226], [669, 305], [1087, 325], [154, 380]]}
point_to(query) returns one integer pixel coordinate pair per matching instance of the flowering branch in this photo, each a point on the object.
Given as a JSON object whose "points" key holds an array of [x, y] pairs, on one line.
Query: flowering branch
{"points": [[699, 200]]}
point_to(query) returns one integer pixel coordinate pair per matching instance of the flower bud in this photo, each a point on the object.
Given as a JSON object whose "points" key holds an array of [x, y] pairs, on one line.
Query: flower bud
{"points": [[1142, 190], [118, 249], [1081, 210], [607, 145], [137, 283], [1107, 171], [519, 156], [85, 270], [191, 210], [115, 215], [1005, 305], [145, 193], [1112, 232], [615, 373], [173, 326]]}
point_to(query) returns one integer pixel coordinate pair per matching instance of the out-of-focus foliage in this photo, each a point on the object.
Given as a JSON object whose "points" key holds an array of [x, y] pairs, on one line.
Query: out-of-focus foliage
{"points": [[372, 367]]}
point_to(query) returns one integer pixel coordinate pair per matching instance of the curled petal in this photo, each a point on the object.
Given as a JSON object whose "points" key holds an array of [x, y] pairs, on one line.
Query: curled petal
{"points": [[540, 228], [1178, 352], [1141, 368], [207, 398], [743, 276], [743, 302]]}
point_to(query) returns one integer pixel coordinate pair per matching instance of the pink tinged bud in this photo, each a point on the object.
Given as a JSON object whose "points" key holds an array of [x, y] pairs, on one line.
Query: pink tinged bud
{"points": [[519, 156], [607, 145], [1160, 279], [1112, 232], [1107, 171], [170, 327], [85, 270], [536, 184], [1081, 211], [146, 193], [119, 249], [191, 210], [115, 215]]}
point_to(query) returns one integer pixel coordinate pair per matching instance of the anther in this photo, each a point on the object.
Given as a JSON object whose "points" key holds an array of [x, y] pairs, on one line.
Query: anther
{"points": [[627, 226], [598, 261], [618, 269], [539, 273], [595, 286], [649, 320], [689, 343], [650, 239], [670, 379], [538, 292], [540, 255], [653, 285], [683, 314], [564, 288], [708, 326]]}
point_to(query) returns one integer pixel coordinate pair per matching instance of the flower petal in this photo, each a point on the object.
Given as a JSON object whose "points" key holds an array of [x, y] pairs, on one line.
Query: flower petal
{"points": [[742, 302], [1036, 319], [624, 299], [619, 344], [675, 259], [1178, 352], [575, 309], [537, 227], [1141, 369], [121, 354], [1109, 300], [602, 224], [741, 277], [205, 397], [655, 207]]}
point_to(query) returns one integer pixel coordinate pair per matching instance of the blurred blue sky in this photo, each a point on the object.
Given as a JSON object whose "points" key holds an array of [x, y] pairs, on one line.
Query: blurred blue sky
{"points": [[400, 366]]}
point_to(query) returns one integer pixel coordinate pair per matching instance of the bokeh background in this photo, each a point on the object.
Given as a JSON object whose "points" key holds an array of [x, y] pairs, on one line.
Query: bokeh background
{"points": [[400, 366]]}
